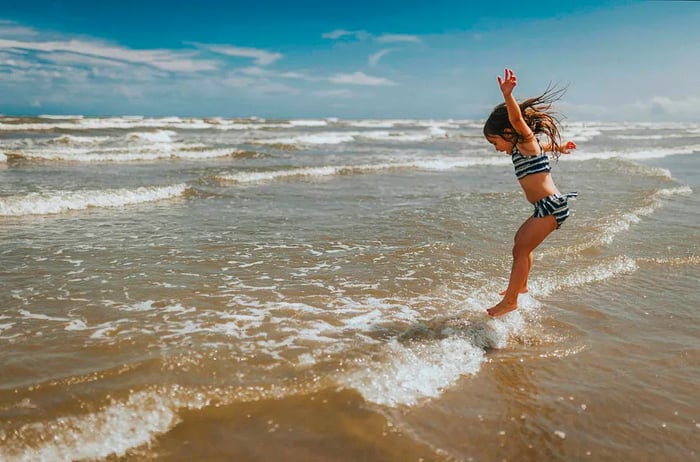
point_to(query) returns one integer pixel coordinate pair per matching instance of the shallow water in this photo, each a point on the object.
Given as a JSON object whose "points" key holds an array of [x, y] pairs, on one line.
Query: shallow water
{"points": [[315, 290]]}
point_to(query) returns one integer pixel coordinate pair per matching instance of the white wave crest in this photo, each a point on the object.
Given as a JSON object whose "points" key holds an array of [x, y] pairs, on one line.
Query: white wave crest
{"points": [[306, 172], [73, 140], [154, 152], [599, 272], [580, 134], [256, 177], [313, 139], [398, 136], [680, 190], [159, 136], [417, 371], [64, 201], [340, 137], [308, 123], [625, 220], [135, 122], [634, 155], [371, 123], [412, 370], [110, 432], [61, 117]]}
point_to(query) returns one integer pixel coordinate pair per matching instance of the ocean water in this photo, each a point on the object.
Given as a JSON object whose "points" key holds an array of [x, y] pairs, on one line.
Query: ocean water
{"points": [[315, 290]]}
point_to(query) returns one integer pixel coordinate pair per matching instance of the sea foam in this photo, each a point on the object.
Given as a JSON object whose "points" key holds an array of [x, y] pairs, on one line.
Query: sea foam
{"points": [[623, 221], [153, 152], [112, 431], [411, 368], [447, 163], [641, 154], [413, 372], [64, 201]]}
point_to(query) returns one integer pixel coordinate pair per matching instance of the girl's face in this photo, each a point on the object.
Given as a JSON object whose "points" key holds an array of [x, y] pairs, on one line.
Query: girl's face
{"points": [[500, 143]]}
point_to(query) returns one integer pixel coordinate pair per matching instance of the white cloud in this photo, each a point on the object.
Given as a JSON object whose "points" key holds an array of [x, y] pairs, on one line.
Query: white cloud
{"points": [[32, 73], [359, 78], [238, 81], [12, 29], [257, 81], [80, 60], [261, 57], [13, 59], [161, 59], [656, 108], [375, 57], [48, 66], [295, 75], [253, 70], [364, 35], [339, 33], [260, 72], [340, 93], [668, 108], [336, 34], [394, 38]]}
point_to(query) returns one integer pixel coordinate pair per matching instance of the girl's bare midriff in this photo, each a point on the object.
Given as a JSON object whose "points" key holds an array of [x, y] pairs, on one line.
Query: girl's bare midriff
{"points": [[538, 186]]}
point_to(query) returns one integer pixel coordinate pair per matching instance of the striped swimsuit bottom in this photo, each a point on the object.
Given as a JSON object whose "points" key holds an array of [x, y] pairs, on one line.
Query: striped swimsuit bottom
{"points": [[556, 205]]}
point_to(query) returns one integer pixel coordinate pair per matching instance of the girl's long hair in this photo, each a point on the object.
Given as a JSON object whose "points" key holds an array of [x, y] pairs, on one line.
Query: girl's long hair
{"points": [[537, 114]]}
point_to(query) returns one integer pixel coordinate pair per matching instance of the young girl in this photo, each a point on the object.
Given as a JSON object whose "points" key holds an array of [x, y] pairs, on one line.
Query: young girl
{"points": [[512, 129]]}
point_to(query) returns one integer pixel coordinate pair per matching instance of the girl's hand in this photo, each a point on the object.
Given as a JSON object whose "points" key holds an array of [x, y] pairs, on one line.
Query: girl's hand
{"points": [[508, 82], [567, 147]]}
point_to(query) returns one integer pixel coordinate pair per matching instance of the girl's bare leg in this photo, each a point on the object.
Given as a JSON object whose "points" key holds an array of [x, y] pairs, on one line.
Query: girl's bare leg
{"points": [[529, 236], [524, 289]]}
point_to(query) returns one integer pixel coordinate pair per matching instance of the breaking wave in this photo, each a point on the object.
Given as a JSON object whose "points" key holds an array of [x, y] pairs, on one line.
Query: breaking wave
{"points": [[65, 201]]}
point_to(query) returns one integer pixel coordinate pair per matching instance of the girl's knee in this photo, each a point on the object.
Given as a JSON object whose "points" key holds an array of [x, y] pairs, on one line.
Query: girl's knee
{"points": [[520, 251]]}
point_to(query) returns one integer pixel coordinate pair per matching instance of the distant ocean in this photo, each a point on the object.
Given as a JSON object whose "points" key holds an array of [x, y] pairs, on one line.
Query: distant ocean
{"points": [[314, 290]]}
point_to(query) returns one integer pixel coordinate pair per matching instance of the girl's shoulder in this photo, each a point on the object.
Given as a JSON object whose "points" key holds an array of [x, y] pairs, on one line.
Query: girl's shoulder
{"points": [[529, 148]]}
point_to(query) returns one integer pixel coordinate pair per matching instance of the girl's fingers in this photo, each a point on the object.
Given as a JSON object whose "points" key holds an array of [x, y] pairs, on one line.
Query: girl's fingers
{"points": [[508, 77]]}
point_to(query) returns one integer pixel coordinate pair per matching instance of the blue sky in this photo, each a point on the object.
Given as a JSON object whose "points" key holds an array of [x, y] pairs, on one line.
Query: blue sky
{"points": [[634, 61]]}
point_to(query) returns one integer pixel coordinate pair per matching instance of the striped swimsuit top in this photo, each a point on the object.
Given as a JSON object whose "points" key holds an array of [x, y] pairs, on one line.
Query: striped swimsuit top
{"points": [[527, 165]]}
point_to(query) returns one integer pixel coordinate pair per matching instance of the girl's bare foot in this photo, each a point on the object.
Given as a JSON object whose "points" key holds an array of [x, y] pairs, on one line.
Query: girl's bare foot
{"points": [[502, 308]]}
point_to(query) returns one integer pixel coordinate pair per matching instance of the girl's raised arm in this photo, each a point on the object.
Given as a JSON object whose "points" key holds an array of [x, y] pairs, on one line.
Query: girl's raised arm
{"points": [[527, 143]]}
